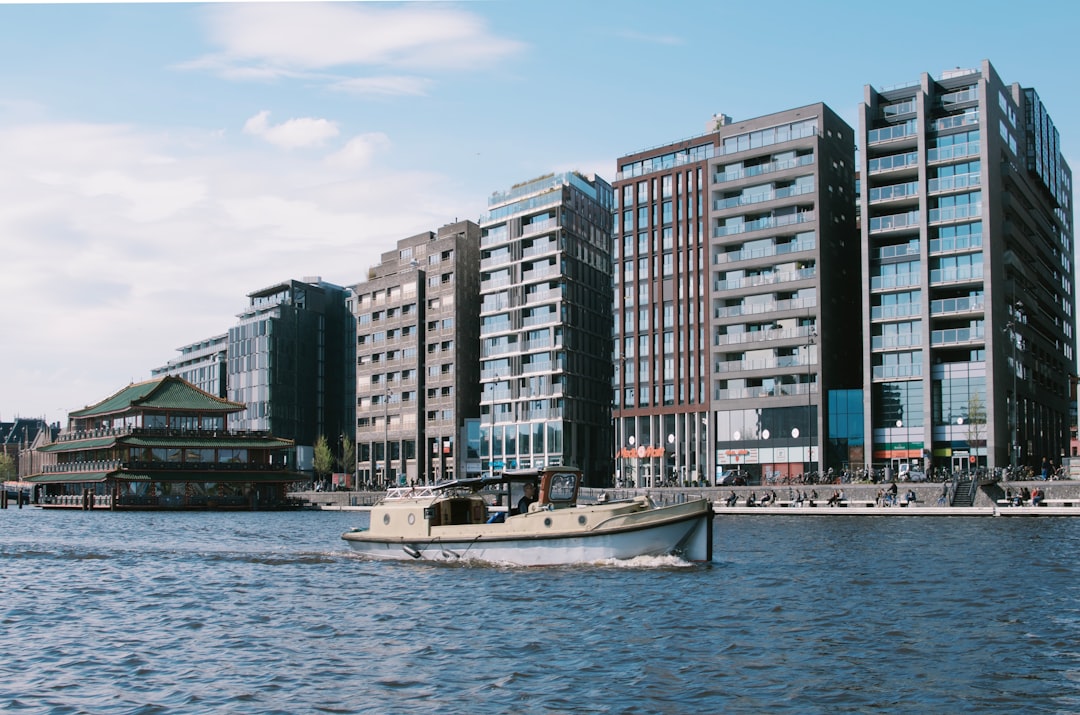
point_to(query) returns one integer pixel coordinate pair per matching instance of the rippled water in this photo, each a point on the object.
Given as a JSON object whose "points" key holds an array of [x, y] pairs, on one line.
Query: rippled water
{"points": [[270, 613]]}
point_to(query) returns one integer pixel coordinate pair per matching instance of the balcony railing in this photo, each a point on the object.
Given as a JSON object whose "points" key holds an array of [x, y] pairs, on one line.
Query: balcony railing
{"points": [[764, 223]]}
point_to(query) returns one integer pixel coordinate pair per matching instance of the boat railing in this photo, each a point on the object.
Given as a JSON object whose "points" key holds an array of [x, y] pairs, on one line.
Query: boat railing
{"points": [[408, 493]]}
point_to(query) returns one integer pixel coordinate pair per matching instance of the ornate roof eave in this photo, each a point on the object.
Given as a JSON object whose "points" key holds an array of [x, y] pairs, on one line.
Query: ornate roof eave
{"points": [[164, 393]]}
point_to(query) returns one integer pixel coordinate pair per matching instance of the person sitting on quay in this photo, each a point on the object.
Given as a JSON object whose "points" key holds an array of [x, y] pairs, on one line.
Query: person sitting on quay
{"points": [[813, 496], [752, 499], [733, 499], [909, 498], [766, 499], [834, 499], [1036, 497]]}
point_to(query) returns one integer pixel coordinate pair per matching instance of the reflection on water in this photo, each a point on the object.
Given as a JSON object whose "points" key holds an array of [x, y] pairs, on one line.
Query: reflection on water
{"points": [[264, 613]]}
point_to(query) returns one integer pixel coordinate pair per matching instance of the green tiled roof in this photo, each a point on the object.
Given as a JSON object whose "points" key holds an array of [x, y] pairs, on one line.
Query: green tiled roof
{"points": [[78, 445], [223, 442], [226, 442], [196, 477], [69, 477], [166, 393], [173, 476]]}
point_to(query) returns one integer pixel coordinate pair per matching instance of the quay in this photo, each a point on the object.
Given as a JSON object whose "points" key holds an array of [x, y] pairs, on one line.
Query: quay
{"points": [[1061, 498]]}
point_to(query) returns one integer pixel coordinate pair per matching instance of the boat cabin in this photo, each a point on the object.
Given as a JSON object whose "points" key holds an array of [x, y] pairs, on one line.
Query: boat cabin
{"points": [[469, 501]]}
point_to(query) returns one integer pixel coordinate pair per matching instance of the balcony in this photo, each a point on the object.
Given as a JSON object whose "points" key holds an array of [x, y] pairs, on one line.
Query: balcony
{"points": [[760, 198], [951, 153], [805, 244], [758, 170], [894, 134], [954, 306], [762, 279], [961, 274], [949, 214], [894, 222], [956, 336], [959, 182], [764, 223]]}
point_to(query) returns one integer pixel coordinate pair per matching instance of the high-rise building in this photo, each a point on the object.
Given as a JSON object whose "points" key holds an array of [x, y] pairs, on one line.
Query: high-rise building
{"points": [[967, 237], [736, 268], [545, 326], [204, 364], [289, 364], [417, 359]]}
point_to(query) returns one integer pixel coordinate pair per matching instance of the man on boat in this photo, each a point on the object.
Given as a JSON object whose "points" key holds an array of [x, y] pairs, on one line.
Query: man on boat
{"points": [[525, 501]]}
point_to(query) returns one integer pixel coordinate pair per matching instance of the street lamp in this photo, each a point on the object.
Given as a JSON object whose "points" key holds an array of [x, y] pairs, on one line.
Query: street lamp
{"points": [[386, 436], [674, 454], [810, 334], [1012, 326], [491, 436]]}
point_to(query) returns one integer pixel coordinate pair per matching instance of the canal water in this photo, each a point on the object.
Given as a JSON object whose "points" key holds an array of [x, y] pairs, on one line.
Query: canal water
{"points": [[269, 613]]}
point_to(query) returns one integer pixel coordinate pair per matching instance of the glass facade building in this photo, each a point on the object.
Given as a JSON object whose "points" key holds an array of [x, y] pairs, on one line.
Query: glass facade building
{"points": [[967, 236], [545, 326]]}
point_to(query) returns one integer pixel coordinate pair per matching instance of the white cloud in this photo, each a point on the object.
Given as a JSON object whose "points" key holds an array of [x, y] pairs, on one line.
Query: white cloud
{"points": [[387, 86], [124, 244], [359, 150], [263, 41], [293, 133]]}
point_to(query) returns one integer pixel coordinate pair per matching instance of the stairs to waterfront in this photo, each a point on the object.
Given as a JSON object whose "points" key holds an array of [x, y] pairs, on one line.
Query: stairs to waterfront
{"points": [[964, 494]]}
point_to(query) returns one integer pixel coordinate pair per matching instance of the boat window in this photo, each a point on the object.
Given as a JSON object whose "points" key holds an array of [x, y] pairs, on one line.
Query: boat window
{"points": [[563, 486]]}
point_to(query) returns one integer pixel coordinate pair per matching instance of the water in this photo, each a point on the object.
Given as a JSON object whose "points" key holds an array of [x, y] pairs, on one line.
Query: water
{"points": [[269, 613]]}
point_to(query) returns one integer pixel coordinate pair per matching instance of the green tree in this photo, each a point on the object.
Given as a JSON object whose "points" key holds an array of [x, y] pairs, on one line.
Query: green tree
{"points": [[323, 461], [348, 455], [7, 467]]}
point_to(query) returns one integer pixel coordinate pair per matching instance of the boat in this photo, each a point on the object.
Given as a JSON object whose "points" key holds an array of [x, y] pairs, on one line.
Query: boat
{"points": [[466, 520]]}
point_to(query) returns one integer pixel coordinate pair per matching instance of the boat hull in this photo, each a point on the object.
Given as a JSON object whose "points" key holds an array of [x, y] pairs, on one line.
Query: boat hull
{"points": [[684, 530]]}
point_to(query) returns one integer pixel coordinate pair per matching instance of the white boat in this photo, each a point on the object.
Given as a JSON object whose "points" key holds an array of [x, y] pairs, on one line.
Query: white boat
{"points": [[464, 520]]}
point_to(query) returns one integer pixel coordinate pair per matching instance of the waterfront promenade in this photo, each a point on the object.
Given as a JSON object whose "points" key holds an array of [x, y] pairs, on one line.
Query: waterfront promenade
{"points": [[1062, 498]]}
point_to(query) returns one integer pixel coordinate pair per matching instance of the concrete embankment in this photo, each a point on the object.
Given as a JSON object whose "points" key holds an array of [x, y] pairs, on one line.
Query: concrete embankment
{"points": [[1062, 498]]}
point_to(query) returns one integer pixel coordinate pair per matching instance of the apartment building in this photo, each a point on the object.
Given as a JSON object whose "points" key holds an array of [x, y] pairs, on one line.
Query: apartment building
{"points": [[736, 315], [417, 360], [545, 326], [203, 363], [289, 364], [967, 238]]}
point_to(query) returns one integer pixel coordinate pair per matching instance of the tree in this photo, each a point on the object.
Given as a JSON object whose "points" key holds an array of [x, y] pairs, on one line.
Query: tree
{"points": [[348, 455], [7, 468], [323, 461]]}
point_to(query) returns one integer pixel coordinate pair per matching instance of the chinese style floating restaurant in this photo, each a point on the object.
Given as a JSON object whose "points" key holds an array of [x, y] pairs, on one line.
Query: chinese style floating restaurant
{"points": [[163, 444]]}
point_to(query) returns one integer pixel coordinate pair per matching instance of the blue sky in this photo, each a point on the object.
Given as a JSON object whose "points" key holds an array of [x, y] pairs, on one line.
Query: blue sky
{"points": [[160, 161]]}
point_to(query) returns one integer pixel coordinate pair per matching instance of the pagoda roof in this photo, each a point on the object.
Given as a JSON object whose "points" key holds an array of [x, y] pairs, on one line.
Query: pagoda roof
{"points": [[194, 441], [172, 476], [165, 393]]}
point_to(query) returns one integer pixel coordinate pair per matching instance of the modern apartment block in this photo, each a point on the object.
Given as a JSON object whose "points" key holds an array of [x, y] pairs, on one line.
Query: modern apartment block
{"points": [[417, 359], [737, 264], [203, 363], [545, 326], [289, 363], [967, 236]]}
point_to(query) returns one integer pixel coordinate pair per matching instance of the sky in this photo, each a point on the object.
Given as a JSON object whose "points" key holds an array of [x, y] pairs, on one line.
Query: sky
{"points": [[160, 161]]}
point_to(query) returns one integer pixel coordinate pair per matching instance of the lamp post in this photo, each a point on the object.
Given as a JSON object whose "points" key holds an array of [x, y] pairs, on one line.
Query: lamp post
{"points": [[631, 440], [810, 334], [386, 436], [675, 455], [491, 436], [1012, 326]]}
